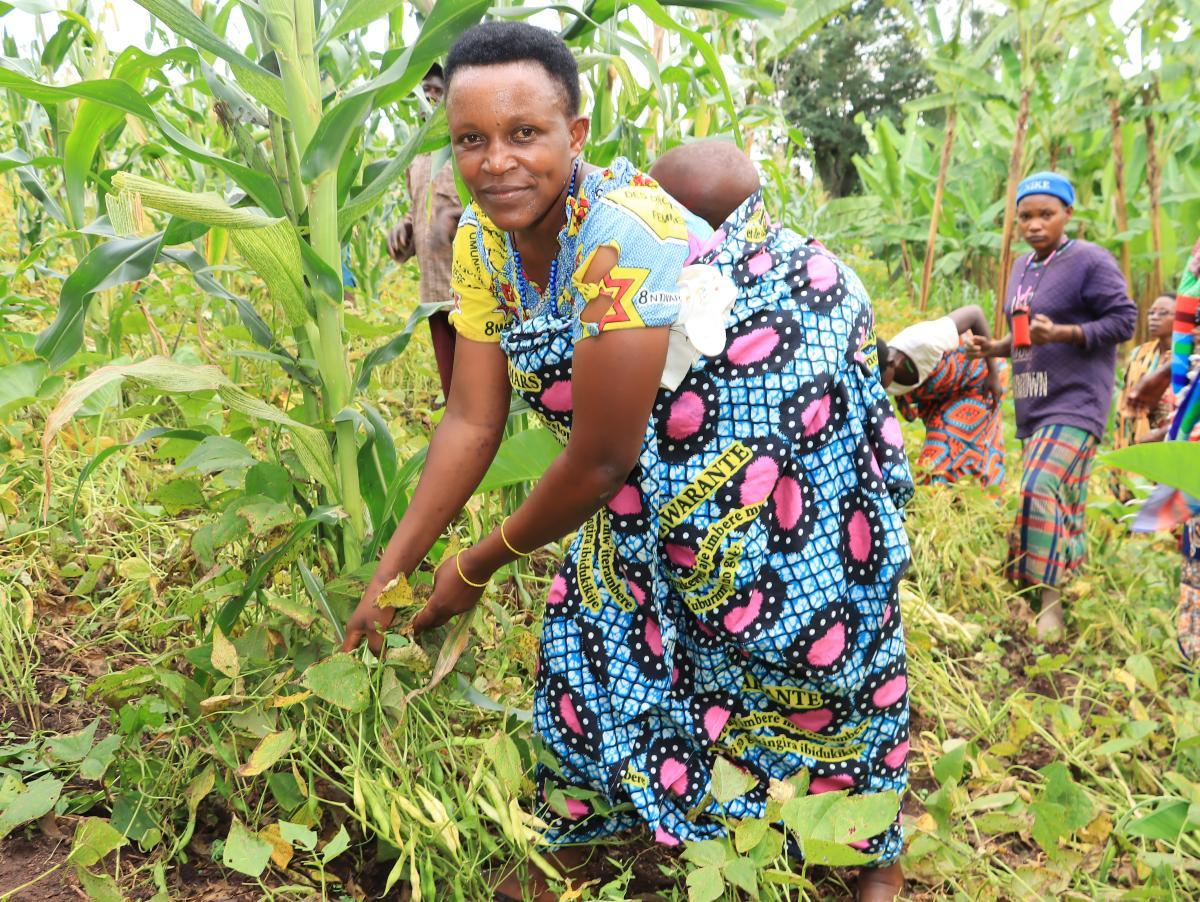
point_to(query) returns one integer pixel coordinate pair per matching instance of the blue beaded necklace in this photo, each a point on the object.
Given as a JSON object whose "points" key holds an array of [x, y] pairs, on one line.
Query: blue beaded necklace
{"points": [[552, 281]]}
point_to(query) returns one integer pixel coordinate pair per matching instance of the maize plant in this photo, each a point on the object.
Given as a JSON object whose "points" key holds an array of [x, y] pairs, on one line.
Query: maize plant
{"points": [[280, 191], [291, 193]]}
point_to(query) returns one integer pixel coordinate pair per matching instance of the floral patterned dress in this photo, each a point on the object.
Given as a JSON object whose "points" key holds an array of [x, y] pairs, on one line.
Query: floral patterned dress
{"points": [[1130, 427], [964, 435], [738, 597]]}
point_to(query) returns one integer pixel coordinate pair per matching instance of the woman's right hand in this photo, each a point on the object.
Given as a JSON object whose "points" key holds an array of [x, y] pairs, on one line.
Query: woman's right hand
{"points": [[980, 347], [369, 621]]}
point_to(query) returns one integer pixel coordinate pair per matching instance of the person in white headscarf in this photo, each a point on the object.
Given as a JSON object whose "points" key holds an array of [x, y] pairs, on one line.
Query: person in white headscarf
{"points": [[925, 367]]}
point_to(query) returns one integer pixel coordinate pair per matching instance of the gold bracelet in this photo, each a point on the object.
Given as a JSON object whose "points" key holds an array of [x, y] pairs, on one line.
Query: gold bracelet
{"points": [[508, 544], [463, 576]]}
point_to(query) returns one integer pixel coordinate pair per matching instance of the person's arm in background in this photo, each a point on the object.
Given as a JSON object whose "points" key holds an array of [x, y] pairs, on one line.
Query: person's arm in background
{"points": [[970, 318], [982, 346], [1149, 389], [400, 238]]}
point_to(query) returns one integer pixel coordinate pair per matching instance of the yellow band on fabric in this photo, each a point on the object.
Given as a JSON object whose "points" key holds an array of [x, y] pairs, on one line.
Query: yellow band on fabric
{"points": [[508, 544], [463, 576]]}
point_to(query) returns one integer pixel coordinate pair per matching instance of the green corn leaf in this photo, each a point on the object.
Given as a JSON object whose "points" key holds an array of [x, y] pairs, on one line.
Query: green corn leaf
{"points": [[122, 96], [169, 376], [316, 591], [448, 19], [522, 457], [93, 120], [384, 178], [112, 263], [394, 347], [270, 245], [1174, 464], [19, 384], [20, 161], [357, 14], [15, 158], [63, 39], [599, 11], [264, 86]]}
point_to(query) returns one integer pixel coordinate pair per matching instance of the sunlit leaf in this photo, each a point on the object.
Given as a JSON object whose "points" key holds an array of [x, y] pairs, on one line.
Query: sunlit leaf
{"points": [[340, 680], [269, 750], [245, 852]]}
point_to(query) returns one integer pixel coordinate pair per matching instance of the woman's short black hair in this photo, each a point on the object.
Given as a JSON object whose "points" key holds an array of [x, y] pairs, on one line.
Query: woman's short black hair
{"points": [[493, 43]]}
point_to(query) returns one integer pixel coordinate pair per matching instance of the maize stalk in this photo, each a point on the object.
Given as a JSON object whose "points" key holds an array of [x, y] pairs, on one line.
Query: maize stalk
{"points": [[291, 31]]}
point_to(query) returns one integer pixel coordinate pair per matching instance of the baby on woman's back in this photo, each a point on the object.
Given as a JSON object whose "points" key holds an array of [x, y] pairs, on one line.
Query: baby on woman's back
{"points": [[710, 178]]}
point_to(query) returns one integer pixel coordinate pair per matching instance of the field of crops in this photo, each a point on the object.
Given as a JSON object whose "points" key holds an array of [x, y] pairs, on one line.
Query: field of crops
{"points": [[202, 452]]}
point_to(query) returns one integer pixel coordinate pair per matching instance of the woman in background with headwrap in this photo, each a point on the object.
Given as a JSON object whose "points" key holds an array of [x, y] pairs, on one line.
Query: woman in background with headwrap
{"points": [[1135, 423], [925, 367], [1073, 298]]}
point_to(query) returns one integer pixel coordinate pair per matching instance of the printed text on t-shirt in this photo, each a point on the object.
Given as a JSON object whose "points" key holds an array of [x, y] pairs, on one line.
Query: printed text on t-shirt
{"points": [[1031, 385]]}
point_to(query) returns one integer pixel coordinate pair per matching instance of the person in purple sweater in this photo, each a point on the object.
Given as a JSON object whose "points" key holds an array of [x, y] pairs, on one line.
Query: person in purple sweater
{"points": [[1074, 298]]}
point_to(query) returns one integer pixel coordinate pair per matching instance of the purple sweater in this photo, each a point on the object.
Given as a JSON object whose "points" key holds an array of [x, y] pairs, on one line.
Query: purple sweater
{"points": [[1062, 384]]}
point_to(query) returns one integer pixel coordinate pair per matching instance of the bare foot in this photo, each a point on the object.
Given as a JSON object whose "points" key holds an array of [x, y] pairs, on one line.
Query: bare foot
{"points": [[880, 884], [1050, 624], [527, 883]]}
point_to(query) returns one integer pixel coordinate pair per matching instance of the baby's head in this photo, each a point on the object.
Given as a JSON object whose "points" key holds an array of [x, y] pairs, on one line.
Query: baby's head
{"points": [[710, 177]]}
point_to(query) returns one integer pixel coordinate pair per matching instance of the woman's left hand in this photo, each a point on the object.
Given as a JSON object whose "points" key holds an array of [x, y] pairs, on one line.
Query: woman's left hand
{"points": [[451, 595]]}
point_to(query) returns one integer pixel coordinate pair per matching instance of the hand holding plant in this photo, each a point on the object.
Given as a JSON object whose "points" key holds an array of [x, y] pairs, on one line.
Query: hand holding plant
{"points": [[369, 621], [452, 595]]}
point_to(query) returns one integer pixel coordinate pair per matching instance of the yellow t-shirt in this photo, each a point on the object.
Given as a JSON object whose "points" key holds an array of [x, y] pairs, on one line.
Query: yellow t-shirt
{"points": [[619, 208]]}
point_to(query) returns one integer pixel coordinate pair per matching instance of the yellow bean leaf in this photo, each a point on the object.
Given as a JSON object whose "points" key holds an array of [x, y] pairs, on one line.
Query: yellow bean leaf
{"points": [[281, 849], [224, 655], [270, 749]]}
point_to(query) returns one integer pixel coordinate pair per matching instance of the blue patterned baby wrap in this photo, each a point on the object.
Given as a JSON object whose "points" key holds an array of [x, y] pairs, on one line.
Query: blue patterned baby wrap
{"points": [[738, 596]]}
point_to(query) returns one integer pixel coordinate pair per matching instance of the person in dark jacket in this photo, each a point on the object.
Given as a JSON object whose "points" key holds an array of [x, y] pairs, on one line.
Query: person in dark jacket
{"points": [[1073, 297]]}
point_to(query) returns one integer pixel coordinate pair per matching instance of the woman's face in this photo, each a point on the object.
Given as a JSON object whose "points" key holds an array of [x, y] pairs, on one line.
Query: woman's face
{"points": [[1161, 317], [1042, 219], [513, 140], [899, 369]]}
